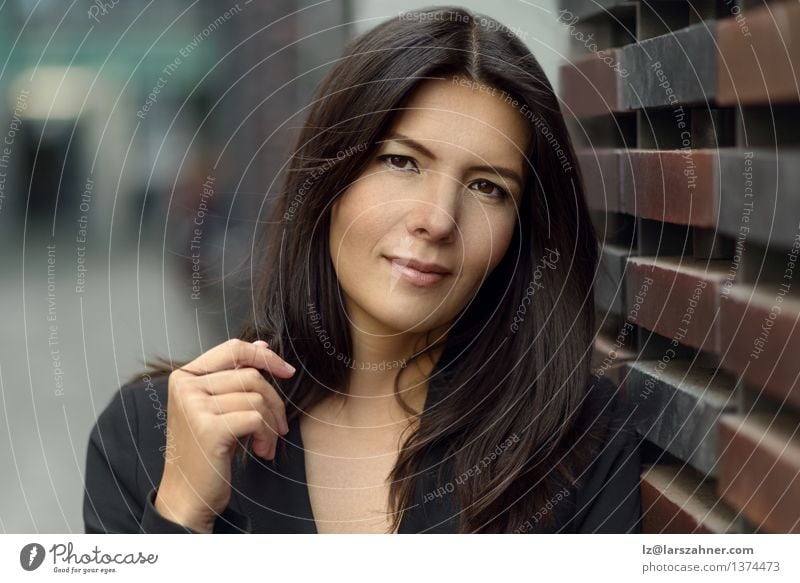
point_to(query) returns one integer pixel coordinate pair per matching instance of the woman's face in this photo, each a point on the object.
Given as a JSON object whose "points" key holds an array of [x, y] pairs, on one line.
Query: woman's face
{"points": [[443, 189]]}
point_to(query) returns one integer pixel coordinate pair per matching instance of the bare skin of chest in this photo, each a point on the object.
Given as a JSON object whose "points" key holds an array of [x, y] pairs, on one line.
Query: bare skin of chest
{"points": [[347, 470]]}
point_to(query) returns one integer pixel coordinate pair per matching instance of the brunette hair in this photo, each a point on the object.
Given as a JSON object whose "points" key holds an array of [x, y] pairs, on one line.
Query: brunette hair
{"points": [[515, 364]]}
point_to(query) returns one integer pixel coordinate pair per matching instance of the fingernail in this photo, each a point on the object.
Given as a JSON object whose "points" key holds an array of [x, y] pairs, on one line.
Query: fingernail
{"points": [[289, 367], [261, 343]]}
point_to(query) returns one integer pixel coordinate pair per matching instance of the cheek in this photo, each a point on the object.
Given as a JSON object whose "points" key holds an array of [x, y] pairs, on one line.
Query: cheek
{"points": [[486, 241], [358, 221]]}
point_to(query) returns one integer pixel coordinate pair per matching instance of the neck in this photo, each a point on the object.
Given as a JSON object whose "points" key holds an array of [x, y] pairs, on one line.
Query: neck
{"points": [[378, 359]]}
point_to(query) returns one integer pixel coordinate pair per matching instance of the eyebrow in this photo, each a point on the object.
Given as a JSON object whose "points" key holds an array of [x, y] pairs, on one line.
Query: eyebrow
{"points": [[411, 143]]}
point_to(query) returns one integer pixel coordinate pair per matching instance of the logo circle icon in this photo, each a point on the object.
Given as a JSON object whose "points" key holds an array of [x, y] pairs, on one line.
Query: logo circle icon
{"points": [[31, 556]]}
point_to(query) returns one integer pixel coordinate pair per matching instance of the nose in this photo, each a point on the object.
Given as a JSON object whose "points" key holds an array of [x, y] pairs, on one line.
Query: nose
{"points": [[434, 210]]}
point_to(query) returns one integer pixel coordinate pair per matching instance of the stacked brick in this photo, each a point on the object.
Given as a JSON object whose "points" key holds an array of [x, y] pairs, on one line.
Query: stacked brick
{"points": [[686, 117]]}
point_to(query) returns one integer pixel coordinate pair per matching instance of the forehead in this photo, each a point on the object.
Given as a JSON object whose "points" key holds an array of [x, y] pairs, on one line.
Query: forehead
{"points": [[473, 117]]}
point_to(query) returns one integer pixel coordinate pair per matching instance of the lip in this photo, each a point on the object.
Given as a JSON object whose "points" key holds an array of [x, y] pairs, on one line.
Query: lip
{"points": [[417, 272]]}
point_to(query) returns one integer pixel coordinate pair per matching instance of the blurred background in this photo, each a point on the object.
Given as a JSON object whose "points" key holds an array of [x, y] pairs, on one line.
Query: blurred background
{"points": [[140, 141], [122, 125]]}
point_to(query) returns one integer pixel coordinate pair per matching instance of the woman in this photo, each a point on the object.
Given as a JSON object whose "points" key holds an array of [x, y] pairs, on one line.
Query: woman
{"points": [[428, 270]]}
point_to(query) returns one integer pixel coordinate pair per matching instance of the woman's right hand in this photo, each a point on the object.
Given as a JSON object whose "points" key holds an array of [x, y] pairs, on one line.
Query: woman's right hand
{"points": [[214, 400]]}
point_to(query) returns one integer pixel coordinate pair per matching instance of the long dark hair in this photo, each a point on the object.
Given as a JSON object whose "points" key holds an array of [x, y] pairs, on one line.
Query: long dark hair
{"points": [[514, 367]]}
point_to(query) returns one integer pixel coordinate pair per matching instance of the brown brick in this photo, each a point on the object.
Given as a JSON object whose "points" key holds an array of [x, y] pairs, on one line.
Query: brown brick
{"points": [[677, 500], [760, 469], [676, 304], [589, 86], [761, 67], [674, 186], [777, 366], [600, 169]]}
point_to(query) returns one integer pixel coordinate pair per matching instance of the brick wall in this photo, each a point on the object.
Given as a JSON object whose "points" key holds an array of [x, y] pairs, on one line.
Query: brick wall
{"points": [[686, 119]]}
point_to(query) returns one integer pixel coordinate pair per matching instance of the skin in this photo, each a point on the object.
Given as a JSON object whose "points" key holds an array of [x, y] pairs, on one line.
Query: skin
{"points": [[434, 207], [213, 400]]}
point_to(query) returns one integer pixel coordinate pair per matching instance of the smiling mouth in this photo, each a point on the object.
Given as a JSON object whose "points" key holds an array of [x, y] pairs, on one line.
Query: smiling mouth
{"points": [[415, 276]]}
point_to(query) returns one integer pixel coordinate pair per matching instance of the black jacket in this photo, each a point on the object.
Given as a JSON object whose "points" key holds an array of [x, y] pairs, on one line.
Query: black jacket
{"points": [[127, 447]]}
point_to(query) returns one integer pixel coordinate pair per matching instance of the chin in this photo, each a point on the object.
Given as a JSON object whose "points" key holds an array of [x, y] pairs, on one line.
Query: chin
{"points": [[398, 323], [412, 317]]}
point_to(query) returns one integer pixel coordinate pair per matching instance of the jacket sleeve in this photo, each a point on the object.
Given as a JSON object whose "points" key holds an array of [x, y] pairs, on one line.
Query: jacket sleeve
{"points": [[610, 499], [229, 522], [115, 501]]}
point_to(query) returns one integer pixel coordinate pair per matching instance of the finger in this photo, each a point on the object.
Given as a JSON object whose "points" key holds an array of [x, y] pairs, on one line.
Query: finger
{"points": [[238, 353], [243, 423], [230, 402], [244, 380]]}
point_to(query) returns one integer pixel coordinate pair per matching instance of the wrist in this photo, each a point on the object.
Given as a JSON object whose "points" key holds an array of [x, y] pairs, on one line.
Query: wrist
{"points": [[172, 508]]}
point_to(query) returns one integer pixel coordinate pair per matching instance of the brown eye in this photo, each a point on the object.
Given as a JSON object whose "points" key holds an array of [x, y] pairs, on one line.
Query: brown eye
{"points": [[398, 162], [489, 188]]}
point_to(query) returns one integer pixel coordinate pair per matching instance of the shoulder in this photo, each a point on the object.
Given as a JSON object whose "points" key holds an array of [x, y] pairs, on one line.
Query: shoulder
{"points": [[131, 404], [133, 425], [148, 395], [125, 459]]}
